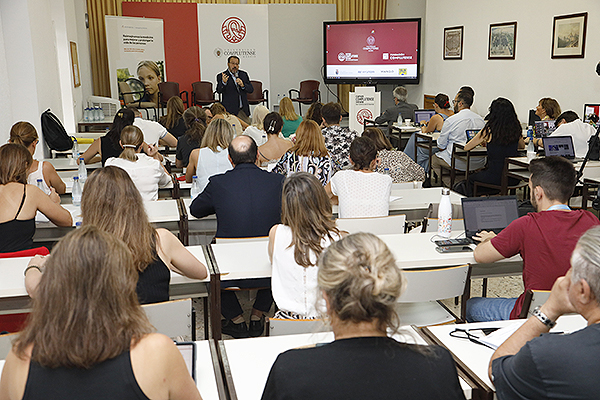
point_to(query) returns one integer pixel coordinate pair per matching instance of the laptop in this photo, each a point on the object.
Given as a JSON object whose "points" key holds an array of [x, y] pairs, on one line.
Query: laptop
{"points": [[488, 214], [560, 146], [544, 128], [591, 111], [471, 133], [422, 117]]}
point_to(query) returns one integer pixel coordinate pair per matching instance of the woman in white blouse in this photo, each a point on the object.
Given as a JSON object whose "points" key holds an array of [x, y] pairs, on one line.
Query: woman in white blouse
{"points": [[212, 157]]}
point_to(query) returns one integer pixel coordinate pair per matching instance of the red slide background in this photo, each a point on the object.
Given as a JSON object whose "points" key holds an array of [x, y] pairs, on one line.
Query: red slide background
{"points": [[182, 51]]}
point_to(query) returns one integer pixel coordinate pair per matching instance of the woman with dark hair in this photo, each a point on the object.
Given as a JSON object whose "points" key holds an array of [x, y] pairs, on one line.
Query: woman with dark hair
{"points": [[276, 145], [314, 112], [294, 245], [21, 201], [502, 135], [173, 121], [361, 192], [393, 162], [87, 336], [361, 283], [108, 145], [196, 121]]}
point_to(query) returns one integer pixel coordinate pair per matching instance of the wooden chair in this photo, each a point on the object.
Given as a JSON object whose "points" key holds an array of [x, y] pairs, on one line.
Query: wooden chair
{"points": [[377, 225], [533, 298], [173, 318], [459, 152], [502, 190], [166, 90], [309, 93], [419, 304], [428, 100], [279, 326], [258, 95], [203, 94]]}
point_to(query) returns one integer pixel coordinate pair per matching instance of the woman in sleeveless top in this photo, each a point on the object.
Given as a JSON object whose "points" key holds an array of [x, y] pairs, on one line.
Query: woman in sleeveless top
{"points": [[108, 145], [294, 246], [21, 201], [309, 154], [87, 336], [25, 134], [276, 145], [111, 202]]}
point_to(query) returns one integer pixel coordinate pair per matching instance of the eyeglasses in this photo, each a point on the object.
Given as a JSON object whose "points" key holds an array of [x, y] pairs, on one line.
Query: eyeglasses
{"points": [[466, 334]]}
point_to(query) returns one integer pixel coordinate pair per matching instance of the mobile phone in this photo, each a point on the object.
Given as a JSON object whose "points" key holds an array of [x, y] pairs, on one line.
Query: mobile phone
{"points": [[453, 249], [454, 242]]}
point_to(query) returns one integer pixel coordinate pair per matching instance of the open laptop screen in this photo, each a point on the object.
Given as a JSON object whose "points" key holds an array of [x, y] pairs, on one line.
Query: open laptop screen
{"points": [[559, 146], [423, 116], [544, 128], [589, 110], [488, 213]]}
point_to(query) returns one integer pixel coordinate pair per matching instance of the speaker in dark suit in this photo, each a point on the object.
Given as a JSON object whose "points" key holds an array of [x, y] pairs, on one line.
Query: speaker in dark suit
{"points": [[234, 86]]}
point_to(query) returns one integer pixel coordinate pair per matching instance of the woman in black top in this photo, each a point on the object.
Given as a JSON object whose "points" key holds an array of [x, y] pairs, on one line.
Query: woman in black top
{"points": [[360, 282], [108, 145], [196, 121], [173, 121]]}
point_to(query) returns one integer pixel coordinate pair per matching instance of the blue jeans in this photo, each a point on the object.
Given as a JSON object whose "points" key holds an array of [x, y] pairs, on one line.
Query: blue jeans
{"points": [[480, 309], [422, 154]]}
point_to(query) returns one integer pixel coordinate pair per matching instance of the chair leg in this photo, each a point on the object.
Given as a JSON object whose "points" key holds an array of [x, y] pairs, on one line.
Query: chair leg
{"points": [[484, 287]]}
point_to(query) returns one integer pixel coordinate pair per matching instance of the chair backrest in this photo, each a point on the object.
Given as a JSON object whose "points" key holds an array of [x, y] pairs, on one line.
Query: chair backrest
{"points": [[434, 284], [171, 318], [234, 240], [428, 101], [377, 225], [126, 92], [168, 90], [42, 251], [6, 344], [308, 90], [257, 93], [203, 91], [278, 326], [533, 298]]}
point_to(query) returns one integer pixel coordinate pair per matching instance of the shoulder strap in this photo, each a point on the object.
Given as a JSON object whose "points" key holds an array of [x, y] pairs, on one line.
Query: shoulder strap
{"points": [[22, 201]]}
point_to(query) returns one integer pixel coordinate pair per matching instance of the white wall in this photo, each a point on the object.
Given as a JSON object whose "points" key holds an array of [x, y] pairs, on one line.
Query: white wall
{"points": [[532, 75]]}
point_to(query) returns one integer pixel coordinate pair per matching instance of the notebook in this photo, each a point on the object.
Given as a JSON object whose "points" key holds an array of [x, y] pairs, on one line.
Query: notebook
{"points": [[559, 146], [544, 128], [422, 117], [488, 213]]}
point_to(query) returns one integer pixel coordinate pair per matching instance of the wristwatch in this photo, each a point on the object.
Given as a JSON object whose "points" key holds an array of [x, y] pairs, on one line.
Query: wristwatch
{"points": [[543, 317]]}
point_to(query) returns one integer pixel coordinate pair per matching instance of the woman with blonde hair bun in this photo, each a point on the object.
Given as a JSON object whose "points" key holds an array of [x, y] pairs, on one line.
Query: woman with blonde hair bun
{"points": [[361, 283], [147, 173]]}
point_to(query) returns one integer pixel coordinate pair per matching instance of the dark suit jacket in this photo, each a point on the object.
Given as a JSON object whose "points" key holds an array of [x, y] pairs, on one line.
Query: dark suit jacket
{"points": [[231, 92], [246, 200], [391, 114]]}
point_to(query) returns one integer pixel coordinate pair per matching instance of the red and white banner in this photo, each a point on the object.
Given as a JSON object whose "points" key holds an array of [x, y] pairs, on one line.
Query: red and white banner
{"points": [[365, 103]]}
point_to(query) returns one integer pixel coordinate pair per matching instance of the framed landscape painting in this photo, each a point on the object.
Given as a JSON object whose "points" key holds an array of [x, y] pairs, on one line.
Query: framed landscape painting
{"points": [[568, 36], [503, 40], [453, 43]]}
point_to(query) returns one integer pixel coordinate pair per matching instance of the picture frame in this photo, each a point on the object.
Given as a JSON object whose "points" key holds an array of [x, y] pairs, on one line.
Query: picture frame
{"points": [[75, 65], [502, 41], [453, 43], [568, 35]]}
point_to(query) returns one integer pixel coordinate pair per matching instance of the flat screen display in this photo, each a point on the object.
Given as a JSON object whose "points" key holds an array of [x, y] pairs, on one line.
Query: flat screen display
{"points": [[385, 51]]}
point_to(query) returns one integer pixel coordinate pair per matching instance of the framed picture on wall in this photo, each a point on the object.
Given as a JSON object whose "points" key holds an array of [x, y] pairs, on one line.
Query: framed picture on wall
{"points": [[453, 43], [503, 41], [568, 36]]}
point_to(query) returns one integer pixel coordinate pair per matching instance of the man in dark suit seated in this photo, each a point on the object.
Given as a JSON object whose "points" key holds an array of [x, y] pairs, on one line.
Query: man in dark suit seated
{"points": [[247, 202], [235, 85]]}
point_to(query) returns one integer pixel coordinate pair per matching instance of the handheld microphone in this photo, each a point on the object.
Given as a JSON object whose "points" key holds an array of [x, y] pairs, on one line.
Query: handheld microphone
{"points": [[236, 74]]}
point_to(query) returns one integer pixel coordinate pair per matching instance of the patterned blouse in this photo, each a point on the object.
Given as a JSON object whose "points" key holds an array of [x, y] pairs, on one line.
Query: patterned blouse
{"points": [[401, 167], [338, 141], [318, 166]]}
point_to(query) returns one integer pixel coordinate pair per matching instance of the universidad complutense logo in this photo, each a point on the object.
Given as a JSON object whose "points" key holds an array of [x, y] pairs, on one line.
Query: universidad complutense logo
{"points": [[233, 30], [342, 56], [363, 114]]}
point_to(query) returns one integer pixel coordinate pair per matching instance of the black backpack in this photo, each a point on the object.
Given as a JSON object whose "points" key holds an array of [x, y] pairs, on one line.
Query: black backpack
{"points": [[54, 132]]}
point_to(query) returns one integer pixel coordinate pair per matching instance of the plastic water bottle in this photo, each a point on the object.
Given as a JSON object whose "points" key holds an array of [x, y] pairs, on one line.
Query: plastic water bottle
{"points": [[96, 113], [76, 192], [75, 149], [530, 132], [40, 184], [386, 171], [82, 171], [234, 131], [195, 190], [445, 214], [101, 111], [86, 114], [530, 150]]}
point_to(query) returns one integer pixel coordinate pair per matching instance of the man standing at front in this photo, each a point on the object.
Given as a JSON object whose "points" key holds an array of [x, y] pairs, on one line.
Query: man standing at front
{"points": [[247, 202], [544, 239], [235, 85]]}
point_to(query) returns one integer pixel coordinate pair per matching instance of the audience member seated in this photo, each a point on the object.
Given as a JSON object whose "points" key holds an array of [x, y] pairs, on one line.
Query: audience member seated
{"points": [[173, 121], [147, 173], [547, 109], [108, 145], [401, 107], [502, 136], [441, 105], [307, 228], [361, 283], [154, 133], [556, 366], [392, 162], [24, 133], [291, 120], [276, 146], [309, 154], [361, 192], [569, 124], [257, 130], [314, 113], [218, 111], [196, 121], [87, 336], [544, 239], [212, 157], [21, 201], [454, 131], [247, 203], [337, 139], [111, 202]]}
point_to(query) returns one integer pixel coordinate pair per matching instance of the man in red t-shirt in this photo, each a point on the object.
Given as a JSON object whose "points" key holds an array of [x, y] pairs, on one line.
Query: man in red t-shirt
{"points": [[545, 239]]}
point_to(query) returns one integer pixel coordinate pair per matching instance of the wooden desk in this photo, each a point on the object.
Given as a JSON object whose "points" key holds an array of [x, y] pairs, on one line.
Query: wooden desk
{"points": [[473, 359]]}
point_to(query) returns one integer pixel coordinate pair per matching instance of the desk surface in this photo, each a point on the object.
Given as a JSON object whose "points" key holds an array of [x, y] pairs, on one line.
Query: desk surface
{"points": [[68, 164]]}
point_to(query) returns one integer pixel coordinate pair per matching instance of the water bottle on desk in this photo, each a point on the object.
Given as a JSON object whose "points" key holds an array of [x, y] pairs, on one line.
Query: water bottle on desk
{"points": [[86, 114], [445, 214], [76, 192], [75, 149], [195, 190], [40, 185], [101, 111], [82, 171]]}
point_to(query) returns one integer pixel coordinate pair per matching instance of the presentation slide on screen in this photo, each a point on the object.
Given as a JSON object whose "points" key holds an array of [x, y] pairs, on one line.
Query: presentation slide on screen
{"points": [[376, 50]]}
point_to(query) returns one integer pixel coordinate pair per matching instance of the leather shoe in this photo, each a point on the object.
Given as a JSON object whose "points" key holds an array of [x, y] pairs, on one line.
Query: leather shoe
{"points": [[238, 331], [257, 328]]}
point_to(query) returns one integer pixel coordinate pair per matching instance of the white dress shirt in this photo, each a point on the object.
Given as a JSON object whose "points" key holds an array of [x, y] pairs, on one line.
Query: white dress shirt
{"points": [[580, 132], [454, 131]]}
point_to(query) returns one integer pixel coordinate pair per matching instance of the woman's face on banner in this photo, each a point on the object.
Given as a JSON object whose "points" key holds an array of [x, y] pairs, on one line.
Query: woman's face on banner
{"points": [[149, 79]]}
